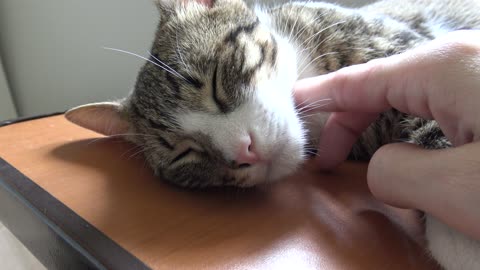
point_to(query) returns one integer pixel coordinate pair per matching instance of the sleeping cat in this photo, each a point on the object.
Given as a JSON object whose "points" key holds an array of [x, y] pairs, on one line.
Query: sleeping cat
{"points": [[213, 104]]}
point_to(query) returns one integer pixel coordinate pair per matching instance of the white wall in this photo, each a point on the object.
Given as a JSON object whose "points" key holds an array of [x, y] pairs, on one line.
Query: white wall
{"points": [[52, 52], [7, 109], [52, 49]]}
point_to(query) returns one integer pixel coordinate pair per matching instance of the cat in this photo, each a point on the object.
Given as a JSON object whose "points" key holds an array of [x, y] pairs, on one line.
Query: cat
{"points": [[213, 104]]}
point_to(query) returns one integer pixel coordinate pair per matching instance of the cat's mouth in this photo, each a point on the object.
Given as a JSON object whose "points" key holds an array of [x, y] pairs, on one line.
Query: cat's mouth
{"points": [[250, 175], [282, 156], [274, 169]]}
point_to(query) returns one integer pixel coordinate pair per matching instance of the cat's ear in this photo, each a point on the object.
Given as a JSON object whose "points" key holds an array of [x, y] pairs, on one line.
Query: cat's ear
{"points": [[104, 117]]}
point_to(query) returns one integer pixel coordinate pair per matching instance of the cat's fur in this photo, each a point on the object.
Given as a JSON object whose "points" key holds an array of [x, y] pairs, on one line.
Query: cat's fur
{"points": [[230, 74]]}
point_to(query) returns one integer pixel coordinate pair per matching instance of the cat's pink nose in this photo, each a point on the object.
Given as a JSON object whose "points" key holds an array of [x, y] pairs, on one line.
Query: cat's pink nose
{"points": [[246, 153]]}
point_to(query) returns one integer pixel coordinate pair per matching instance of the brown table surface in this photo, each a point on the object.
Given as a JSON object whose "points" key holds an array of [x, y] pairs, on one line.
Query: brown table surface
{"points": [[308, 221]]}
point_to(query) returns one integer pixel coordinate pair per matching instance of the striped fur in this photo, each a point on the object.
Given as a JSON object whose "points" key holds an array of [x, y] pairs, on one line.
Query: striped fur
{"points": [[224, 52]]}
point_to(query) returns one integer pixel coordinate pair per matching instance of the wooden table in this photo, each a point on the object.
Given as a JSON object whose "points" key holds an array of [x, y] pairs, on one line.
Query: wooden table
{"points": [[80, 201]]}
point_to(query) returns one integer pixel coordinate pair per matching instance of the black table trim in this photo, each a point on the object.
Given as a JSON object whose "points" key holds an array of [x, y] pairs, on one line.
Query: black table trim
{"points": [[55, 234]]}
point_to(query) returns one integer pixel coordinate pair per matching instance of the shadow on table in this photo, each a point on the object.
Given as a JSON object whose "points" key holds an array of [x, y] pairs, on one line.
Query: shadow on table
{"points": [[312, 219]]}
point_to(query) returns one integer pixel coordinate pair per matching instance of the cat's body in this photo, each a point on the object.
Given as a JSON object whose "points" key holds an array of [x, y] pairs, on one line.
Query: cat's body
{"points": [[214, 106], [375, 31]]}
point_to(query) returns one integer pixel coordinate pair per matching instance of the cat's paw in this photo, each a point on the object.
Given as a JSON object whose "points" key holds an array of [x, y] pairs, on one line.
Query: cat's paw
{"points": [[427, 133], [452, 249]]}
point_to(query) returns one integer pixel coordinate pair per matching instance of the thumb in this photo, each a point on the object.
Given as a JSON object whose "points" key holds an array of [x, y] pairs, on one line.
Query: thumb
{"points": [[444, 183]]}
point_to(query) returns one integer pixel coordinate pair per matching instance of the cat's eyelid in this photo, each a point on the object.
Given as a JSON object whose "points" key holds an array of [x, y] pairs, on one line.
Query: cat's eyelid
{"points": [[186, 149], [189, 143], [182, 155], [197, 148], [221, 105], [194, 82]]}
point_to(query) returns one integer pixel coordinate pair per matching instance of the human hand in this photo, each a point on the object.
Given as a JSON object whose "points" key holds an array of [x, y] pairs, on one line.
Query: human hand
{"points": [[441, 81]]}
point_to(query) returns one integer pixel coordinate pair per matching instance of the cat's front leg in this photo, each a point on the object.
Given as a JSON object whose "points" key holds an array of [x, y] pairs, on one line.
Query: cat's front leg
{"points": [[427, 134]]}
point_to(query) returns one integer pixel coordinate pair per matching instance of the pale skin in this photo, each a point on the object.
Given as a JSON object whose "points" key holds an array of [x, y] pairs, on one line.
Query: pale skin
{"points": [[441, 81]]}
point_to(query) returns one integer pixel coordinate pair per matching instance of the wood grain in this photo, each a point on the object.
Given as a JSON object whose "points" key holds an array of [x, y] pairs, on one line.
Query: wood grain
{"points": [[308, 221]]}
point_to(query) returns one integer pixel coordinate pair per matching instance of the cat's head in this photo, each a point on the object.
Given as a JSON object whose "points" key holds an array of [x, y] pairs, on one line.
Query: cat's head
{"points": [[214, 105]]}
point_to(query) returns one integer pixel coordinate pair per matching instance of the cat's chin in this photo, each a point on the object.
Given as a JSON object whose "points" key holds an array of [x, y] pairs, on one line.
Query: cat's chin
{"points": [[272, 171], [272, 175]]}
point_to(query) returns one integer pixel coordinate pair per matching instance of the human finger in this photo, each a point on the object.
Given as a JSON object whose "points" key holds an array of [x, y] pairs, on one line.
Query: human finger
{"points": [[443, 183], [339, 134]]}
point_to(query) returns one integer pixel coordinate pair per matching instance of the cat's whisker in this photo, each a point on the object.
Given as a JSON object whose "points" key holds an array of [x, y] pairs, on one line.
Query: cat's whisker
{"points": [[96, 140], [177, 50], [166, 66], [306, 117], [321, 31], [149, 156], [316, 107], [313, 50], [314, 148], [317, 101], [306, 120], [116, 135], [303, 117], [292, 28], [309, 105], [312, 153], [310, 150], [144, 58], [285, 26], [305, 28], [299, 106], [315, 59], [294, 25], [133, 134], [299, 111], [147, 159], [296, 20], [141, 151], [134, 155], [119, 136], [302, 114], [304, 57], [134, 148], [306, 123], [310, 147]]}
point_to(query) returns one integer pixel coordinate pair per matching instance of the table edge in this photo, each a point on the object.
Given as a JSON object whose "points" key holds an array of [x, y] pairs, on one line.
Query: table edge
{"points": [[86, 244]]}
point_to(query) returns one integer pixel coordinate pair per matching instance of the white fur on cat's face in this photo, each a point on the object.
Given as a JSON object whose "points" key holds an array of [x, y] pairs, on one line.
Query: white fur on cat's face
{"points": [[268, 115]]}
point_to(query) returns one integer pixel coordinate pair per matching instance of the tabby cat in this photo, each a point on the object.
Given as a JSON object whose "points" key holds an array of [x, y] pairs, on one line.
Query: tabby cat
{"points": [[213, 104]]}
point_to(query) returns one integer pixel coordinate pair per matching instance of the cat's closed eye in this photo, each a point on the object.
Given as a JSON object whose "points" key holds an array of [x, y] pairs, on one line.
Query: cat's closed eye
{"points": [[182, 155], [184, 150], [216, 95], [194, 82]]}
